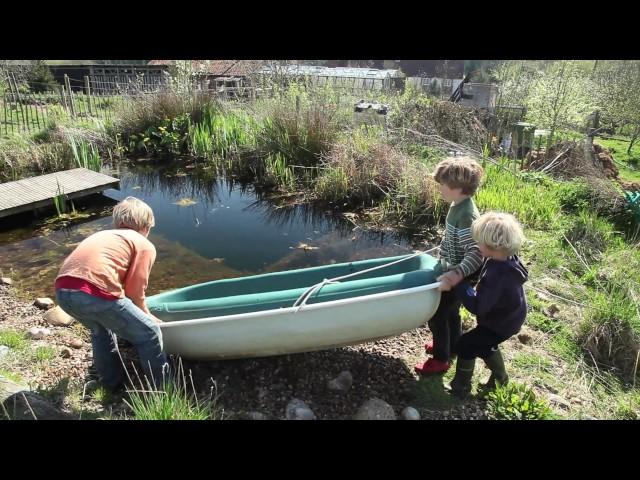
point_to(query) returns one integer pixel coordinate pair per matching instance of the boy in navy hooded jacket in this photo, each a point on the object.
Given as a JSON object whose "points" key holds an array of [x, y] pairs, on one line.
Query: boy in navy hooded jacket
{"points": [[498, 301]]}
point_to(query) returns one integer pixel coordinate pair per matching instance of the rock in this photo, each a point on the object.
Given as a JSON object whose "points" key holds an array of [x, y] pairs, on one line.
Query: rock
{"points": [[6, 281], [20, 404], [551, 310], [375, 409], [298, 410], [44, 303], [558, 400], [341, 383], [525, 338], [410, 413], [91, 386], [542, 296], [75, 343], [58, 317], [37, 333], [256, 416], [8, 388], [65, 352], [25, 405]]}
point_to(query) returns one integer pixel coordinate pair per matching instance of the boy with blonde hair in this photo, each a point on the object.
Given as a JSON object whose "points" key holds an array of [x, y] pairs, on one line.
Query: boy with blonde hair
{"points": [[102, 284], [498, 302], [459, 179]]}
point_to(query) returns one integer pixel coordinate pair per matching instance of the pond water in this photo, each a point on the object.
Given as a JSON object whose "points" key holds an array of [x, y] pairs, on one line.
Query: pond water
{"points": [[207, 228]]}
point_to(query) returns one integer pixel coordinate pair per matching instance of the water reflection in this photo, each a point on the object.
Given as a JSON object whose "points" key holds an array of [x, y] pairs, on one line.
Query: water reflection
{"points": [[207, 227]]}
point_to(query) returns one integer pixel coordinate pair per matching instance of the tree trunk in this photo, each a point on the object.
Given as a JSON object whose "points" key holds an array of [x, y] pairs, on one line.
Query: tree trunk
{"points": [[634, 137]]}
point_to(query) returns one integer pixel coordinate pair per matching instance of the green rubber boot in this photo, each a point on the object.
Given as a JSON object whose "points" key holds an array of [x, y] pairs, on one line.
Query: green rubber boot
{"points": [[495, 363], [461, 384]]}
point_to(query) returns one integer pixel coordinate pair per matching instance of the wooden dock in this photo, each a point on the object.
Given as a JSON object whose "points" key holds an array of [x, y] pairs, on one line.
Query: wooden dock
{"points": [[37, 192]]}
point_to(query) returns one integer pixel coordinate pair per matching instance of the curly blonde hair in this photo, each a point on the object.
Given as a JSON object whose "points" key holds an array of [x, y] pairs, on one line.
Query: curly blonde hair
{"points": [[499, 231]]}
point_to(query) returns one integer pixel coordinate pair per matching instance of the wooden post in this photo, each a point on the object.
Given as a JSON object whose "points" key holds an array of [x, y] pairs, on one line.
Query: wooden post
{"points": [[87, 91], [15, 87], [35, 106], [92, 97], [4, 105], [68, 84], [63, 102]]}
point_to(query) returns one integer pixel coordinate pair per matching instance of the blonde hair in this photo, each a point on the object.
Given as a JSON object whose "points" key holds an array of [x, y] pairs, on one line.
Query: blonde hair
{"points": [[500, 231], [459, 172], [133, 213]]}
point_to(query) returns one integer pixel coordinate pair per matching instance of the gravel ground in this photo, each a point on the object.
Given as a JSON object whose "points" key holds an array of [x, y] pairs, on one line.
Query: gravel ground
{"points": [[382, 369]]}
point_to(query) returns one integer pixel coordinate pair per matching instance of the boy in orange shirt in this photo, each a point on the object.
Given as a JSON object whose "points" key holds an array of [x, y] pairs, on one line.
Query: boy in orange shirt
{"points": [[102, 284]]}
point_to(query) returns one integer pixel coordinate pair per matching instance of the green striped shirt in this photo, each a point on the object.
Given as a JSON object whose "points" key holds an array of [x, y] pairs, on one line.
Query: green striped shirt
{"points": [[458, 248]]}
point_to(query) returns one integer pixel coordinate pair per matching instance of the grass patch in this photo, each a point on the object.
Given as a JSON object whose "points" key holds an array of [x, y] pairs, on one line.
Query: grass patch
{"points": [[43, 353], [564, 345], [532, 199], [13, 339], [618, 149], [429, 392], [13, 376], [543, 323], [531, 362]]}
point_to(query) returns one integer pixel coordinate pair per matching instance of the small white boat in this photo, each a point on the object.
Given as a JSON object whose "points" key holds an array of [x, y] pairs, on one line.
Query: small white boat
{"points": [[277, 313]]}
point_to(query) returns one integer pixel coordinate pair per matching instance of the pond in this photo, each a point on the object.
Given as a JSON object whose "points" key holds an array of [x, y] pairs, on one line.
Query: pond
{"points": [[207, 228]]}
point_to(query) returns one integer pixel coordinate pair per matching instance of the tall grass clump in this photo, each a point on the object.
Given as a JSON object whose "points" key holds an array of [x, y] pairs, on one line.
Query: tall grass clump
{"points": [[85, 155], [137, 114], [610, 332], [178, 401], [300, 125], [221, 132], [363, 171], [362, 167]]}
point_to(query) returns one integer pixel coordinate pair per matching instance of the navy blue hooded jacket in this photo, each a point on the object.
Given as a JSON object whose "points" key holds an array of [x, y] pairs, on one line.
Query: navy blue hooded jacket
{"points": [[498, 302]]}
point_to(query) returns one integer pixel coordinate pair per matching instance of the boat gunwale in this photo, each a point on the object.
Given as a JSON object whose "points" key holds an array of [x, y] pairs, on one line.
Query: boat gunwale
{"points": [[302, 308]]}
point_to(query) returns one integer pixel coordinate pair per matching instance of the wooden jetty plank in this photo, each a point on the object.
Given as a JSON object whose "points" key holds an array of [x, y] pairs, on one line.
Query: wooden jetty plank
{"points": [[37, 192]]}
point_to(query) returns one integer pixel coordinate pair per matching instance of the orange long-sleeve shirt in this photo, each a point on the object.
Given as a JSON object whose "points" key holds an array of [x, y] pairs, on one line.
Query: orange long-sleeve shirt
{"points": [[116, 261]]}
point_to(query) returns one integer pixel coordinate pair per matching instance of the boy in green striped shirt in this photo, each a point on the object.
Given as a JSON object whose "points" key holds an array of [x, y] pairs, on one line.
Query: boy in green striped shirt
{"points": [[460, 258]]}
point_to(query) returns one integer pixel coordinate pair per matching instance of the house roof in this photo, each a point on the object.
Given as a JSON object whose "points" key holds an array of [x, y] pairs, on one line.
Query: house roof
{"points": [[343, 72], [220, 67]]}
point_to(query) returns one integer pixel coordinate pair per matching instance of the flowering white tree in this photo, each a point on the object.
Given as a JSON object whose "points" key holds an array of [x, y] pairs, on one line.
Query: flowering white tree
{"points": [[559, 96], [618, 92], [514, 79]]}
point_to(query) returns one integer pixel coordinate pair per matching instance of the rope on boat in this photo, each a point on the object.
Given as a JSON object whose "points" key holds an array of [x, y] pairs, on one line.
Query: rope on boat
{"points": [[302, 299]]}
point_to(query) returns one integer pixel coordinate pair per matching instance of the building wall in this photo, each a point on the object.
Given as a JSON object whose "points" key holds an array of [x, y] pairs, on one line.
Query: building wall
{"points": [[484, 95], [447, 86]]}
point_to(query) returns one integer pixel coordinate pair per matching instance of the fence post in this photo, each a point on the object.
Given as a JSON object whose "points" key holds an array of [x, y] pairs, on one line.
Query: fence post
{"points": [[19, 99], [68, 84], [4, 108], [63, 98], [87, 92], [35, 106]]}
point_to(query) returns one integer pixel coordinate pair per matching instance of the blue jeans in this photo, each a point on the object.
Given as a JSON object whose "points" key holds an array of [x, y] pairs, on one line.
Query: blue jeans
{"points": [[122, 318]]}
